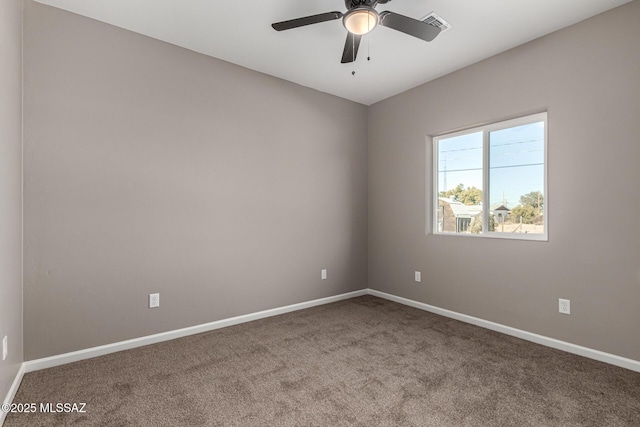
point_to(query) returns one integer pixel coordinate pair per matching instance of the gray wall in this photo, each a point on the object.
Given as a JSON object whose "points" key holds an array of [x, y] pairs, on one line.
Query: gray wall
{"points": [[10, 189], [150, 168], [588, 78]]}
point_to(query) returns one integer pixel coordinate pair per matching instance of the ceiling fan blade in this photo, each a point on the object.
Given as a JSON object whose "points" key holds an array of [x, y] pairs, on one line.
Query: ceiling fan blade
{"points": [[413, 27], [307, 20], [350, 48]]}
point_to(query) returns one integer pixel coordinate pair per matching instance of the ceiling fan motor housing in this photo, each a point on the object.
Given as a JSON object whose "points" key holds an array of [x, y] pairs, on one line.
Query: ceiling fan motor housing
{"points": [[352, 4]]}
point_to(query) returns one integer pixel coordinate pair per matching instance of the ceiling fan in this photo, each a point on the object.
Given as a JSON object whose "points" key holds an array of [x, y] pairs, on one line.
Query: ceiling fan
{"points": [[360, 18]]}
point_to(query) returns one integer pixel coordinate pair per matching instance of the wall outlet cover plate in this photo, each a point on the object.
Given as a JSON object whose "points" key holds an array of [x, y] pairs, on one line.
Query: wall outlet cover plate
{"points": [[154, 300]]}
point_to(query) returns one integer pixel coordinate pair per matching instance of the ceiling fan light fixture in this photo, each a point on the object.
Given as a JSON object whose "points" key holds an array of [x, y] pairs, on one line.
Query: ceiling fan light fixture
{"points": [[360, 20]]}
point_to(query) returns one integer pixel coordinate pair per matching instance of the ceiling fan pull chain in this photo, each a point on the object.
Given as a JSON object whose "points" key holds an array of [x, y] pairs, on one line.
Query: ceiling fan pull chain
{"points": [[353, 54], [353, 50], [369, 40]]}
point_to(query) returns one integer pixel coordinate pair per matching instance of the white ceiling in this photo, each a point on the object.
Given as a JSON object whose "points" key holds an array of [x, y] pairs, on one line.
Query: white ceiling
{"points": [[240, 32]]}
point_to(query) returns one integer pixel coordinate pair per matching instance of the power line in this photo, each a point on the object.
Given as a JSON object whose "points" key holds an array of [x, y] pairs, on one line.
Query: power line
{"points": [[460, 149], [461, 170], [516, 142], [519, 152], [491, 145], [516, 166], [492, 167], [498, 155]]}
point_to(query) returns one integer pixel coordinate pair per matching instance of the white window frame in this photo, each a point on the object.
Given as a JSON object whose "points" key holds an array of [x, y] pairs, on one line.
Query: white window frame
{"points": [[432, 215]]}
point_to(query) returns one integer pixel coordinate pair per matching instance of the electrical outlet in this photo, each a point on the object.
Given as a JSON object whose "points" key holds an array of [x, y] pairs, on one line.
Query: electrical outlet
{"points": [[564, 306], [5, 348], [154, 300], [323, 274], [418, 276]]}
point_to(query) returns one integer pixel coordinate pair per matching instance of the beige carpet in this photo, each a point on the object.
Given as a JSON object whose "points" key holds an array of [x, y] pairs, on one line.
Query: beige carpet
{"points": [[364, 361]]}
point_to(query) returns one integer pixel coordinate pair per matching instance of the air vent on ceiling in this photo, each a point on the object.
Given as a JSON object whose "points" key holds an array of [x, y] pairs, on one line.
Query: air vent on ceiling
{"points": [[437, 21]]}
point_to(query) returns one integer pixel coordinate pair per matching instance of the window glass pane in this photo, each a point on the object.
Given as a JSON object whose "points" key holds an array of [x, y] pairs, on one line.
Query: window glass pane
{"points": [[460, 184], [516, 179]]}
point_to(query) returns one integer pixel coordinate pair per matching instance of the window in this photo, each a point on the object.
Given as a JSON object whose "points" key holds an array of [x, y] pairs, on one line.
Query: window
{"points": [[501, 166]]}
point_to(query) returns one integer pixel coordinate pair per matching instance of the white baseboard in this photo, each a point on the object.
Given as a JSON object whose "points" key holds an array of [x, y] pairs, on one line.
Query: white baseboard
{"points": [[12, 392], [74, 356], [61, 359], [601, 356]]}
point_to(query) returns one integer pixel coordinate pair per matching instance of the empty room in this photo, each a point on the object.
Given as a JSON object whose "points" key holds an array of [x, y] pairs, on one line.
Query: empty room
{"points": [[284, 213]]}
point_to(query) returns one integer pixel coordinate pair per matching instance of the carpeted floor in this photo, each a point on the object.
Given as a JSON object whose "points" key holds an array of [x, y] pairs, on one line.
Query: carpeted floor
{"points": [[364, 361]]}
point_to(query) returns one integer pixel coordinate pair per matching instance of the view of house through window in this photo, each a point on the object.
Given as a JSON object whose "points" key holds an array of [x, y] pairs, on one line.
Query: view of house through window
{"points": [[501, 166]]}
